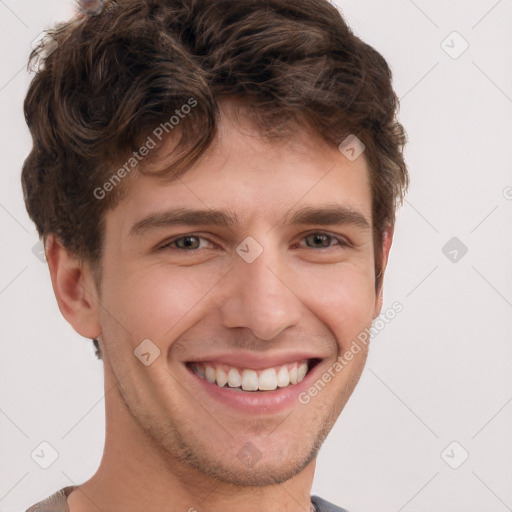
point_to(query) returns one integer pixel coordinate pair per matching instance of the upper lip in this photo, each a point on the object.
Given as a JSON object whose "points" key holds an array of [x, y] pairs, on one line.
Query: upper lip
{"points": [[256, 361]]}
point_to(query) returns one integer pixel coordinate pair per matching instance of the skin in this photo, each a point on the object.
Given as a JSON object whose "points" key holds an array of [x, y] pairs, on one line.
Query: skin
{"points": [[168, 445]]}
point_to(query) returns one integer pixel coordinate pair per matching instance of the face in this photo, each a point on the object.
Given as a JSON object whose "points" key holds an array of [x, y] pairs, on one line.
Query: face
{"points": [[274, 283]]}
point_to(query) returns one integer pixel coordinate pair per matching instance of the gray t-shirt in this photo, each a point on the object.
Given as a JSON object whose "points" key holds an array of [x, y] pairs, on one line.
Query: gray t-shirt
{"points": [[58, 503]]}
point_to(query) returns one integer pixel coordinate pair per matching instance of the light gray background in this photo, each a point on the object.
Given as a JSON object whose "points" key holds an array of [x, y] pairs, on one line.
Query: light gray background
{"points": [[440, 372]]}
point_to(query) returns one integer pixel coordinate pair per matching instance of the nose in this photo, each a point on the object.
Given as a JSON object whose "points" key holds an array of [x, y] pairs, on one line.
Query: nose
{"points": [[261, 297]]}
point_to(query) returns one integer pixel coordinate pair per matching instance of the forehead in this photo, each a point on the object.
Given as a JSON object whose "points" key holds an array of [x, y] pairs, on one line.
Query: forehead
{"points": [[245, 173]]}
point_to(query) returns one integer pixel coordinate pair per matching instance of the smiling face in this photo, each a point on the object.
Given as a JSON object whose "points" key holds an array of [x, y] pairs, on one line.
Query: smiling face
{"points": [[254, 270]]}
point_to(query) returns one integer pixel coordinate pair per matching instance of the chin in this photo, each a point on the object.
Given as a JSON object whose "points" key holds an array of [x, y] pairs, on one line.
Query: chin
{"points": [[256, 463]]}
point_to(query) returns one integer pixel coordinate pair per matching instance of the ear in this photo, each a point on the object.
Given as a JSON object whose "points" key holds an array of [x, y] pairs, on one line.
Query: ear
{"points": [[387, 239], [74, 288]]}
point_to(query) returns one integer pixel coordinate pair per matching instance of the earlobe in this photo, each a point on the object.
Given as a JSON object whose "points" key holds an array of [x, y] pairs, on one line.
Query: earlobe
{"points": [[379, 300], [387, 239], [74, 289]]}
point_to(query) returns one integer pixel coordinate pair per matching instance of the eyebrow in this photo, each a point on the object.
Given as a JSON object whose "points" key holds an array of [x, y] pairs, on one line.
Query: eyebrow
{"points": [[324, 216]]}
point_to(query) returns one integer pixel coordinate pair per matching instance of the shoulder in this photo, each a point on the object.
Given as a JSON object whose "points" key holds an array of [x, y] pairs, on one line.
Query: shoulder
{"points": [[325, 506], [57, 502]]}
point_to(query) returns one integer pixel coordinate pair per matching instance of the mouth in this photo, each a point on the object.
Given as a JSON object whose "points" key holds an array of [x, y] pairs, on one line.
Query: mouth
{"points": [[252, 380]]}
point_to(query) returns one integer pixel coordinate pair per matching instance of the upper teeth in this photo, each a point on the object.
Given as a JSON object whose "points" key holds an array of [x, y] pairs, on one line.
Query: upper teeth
{"points": [[252, 380]]}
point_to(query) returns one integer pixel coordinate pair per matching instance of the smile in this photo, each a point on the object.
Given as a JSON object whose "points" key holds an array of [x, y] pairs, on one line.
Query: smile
{"points": [[247, 379]]}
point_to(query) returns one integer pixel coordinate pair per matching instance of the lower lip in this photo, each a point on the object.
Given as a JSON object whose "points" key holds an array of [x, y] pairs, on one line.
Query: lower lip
{"points": [[258, 401]]}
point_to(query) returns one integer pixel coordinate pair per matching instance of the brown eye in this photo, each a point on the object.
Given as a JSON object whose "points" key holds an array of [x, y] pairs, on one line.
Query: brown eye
{"points": [[319, 240], [187, 243], [323, 241]]}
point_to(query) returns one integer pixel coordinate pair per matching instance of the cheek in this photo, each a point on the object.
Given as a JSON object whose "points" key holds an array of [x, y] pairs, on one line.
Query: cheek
{"points": [[345, 302], [159, 301], [150, 302]]}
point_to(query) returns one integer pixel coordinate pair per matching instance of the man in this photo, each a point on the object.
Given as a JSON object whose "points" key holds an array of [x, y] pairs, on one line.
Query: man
{"points": [[216, 183]]}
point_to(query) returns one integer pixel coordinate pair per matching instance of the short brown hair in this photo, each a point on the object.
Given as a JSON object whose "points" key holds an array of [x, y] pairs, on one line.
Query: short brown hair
{"points": [[116, 75]]}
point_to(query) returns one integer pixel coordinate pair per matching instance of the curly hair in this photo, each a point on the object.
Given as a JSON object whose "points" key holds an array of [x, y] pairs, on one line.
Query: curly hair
{"points": [[104, 81]]}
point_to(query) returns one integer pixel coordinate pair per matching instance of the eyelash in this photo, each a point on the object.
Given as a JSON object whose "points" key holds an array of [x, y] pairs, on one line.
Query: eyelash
{"points": [[167, 245]]}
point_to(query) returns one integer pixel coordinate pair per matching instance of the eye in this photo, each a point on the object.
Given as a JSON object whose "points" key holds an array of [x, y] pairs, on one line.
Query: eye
{"points": [[321, 240], [192, 243], [188, 243]]}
